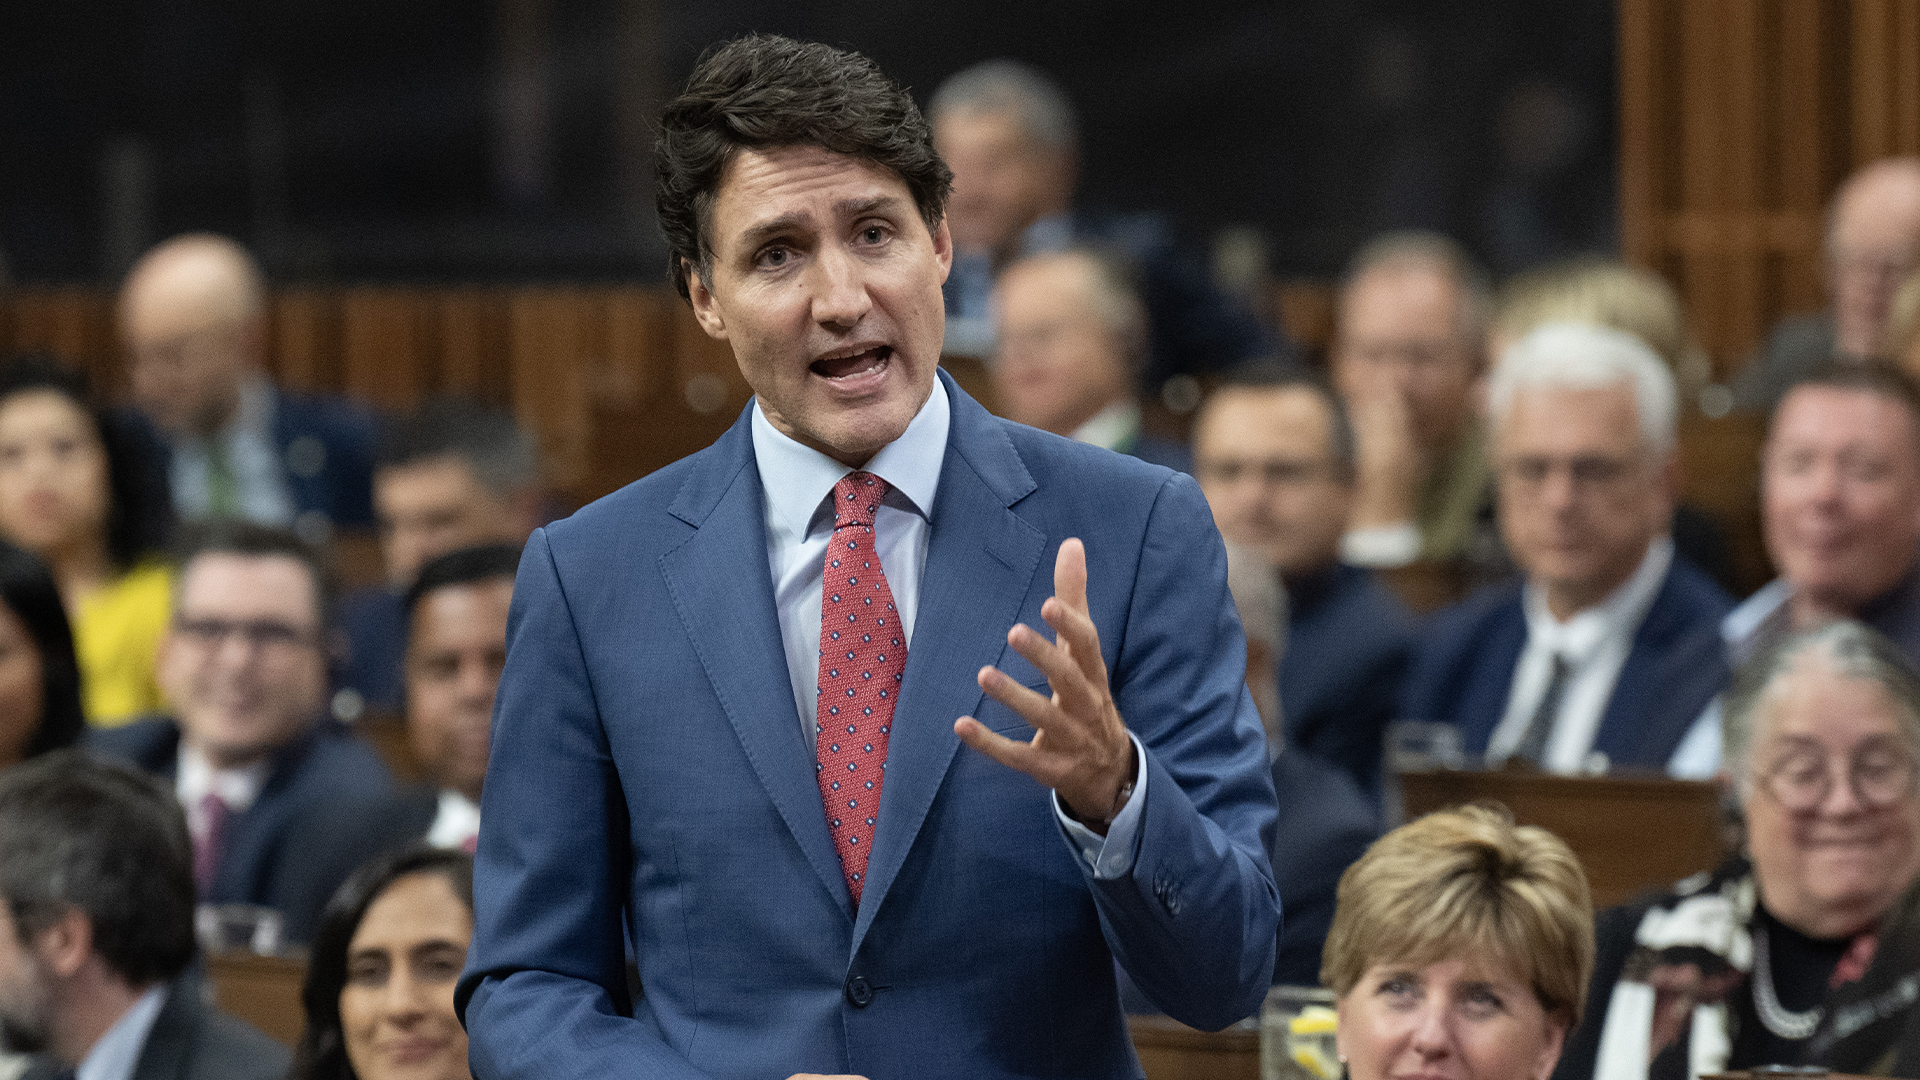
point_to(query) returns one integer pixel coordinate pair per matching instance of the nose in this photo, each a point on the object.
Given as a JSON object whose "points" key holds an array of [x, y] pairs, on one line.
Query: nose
{"points": [[1431, 1036], [1842, 800], [477, 681], [1557, 490], [840, 298], [405, 999]]}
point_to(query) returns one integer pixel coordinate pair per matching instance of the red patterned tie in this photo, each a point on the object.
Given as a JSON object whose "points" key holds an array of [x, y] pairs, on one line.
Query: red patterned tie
{"points": [[862, 655]]}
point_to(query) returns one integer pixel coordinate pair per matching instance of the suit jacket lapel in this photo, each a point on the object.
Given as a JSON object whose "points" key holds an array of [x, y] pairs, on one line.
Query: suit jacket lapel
{"points": [[723, 592], [981, 562], [1674, 669]]}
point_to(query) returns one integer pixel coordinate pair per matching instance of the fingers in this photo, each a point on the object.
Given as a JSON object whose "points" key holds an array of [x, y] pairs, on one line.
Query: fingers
{"points": [[1067, 674], [1012, 753], [1035, 708], [1070, 574]]}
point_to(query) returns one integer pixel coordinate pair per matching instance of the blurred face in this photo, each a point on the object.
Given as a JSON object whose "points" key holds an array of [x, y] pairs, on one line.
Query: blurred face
{"points": [[1872, 245], [243, 660], [53, 473], [1580, 494], [826, 282], [429, 508], [1840, 494], [454, 655], [26, 998], [1265, 464], [396, 1010], [1832, 820], [1454, 1020], [1058, 364], [186, 377], [1400, 332], [1002, 180], [22, 694]]}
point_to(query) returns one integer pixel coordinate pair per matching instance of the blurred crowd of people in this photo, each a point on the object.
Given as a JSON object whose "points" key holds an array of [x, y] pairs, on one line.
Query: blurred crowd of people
{"points": [[168, 604]]}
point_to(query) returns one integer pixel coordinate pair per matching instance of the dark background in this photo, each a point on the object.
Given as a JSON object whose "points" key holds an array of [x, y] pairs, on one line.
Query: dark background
{"points": [[440, 140]]}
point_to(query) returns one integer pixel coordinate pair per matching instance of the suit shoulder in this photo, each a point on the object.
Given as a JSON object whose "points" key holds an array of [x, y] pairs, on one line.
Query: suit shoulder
{"points": [[631, 512], [1692, 591], [229, 1048], [146, 743], [347, 763], [1055, 460], [1459, 623], [325, 415]]}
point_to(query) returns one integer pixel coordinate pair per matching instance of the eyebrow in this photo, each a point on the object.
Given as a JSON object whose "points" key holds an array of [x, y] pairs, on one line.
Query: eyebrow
{"points": [[845, 208]]}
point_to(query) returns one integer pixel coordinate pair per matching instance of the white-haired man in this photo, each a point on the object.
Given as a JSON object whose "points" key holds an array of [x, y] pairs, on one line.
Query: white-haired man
{"points": [[1609, 648]]}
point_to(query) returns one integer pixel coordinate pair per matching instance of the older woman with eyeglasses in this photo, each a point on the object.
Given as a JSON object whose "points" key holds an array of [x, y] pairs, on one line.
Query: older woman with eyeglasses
{"points": [[1805, 950]]}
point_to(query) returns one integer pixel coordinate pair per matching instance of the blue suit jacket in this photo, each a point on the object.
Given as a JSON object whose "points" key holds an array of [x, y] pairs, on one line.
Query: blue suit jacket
{"points": [[1349, 641], [1464, 668], [271, 850], [649, 778]]}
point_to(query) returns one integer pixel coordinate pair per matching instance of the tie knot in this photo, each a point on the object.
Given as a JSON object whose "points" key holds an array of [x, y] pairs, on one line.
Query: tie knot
{"points": [[856, 497]]}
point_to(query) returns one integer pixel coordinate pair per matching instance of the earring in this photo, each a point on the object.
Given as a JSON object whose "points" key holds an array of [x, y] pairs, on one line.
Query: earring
{"points": [[1342, 1057]]}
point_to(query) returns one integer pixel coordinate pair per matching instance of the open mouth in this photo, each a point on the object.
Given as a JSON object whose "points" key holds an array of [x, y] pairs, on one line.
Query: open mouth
{"points": [[865, 362]]}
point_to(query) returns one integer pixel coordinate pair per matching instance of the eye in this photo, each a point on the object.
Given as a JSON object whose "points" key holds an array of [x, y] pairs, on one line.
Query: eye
{"points": [[367, 969], [874, 234], [772, 258], [1481, 1002]]}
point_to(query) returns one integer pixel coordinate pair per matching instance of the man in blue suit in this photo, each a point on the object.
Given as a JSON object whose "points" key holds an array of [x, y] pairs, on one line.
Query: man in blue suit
{"points": [[1608, 650], [670, 763], [193, 315]]}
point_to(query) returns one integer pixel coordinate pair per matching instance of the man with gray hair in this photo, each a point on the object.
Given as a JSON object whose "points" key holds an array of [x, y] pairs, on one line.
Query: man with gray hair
{"points": [[1011, 136], [97, 932], [1072, 334], [1872, 244], [1609, 649], [1409, 347]]}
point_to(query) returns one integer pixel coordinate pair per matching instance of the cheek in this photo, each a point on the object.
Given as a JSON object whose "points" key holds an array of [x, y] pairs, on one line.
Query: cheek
{"points": [[359, 1016]]}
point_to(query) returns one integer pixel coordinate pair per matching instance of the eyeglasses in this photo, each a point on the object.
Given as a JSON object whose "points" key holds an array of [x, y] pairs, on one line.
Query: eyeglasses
{"points": [[265, 635], [1880, 772], [1273, 472]]}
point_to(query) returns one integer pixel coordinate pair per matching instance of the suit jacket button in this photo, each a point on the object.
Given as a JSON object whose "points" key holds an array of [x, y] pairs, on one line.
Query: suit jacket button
{"points": [[859, 992]]}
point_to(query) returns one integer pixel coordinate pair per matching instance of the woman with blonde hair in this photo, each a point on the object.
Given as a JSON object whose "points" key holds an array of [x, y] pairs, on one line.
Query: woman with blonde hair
{"points": [[1461, 949]]}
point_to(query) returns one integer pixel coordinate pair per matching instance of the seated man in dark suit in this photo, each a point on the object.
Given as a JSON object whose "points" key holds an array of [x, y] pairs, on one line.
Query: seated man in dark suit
{"points": [[250, 753], [96, 932], [1275, 458], [193, 317], [1011, 137], [451, 474], [1072, 334], [1608, 650]]}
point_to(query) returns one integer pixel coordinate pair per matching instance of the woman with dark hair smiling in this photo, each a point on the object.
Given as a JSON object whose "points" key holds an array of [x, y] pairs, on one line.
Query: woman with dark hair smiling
{"points": [[380, 978], [39, 678], [73, 492]]}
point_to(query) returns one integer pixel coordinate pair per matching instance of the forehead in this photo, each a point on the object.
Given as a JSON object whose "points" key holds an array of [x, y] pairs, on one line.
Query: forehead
{"points": [[1041, 287], [467, 610], [1814, 700], [805, 186], [41, 406], [1571, 420], [448, 477], [415, 908], [1401, 297], [235, 586], [982, 128], [1291, 420], [1839, 416]]}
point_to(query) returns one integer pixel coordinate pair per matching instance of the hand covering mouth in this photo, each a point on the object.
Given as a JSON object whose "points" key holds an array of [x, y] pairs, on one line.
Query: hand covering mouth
{"points": [[860, 363]]}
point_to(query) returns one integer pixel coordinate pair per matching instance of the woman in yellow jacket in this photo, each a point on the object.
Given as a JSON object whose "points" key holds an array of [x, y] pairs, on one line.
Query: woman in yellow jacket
{"points": [[71, 493]]}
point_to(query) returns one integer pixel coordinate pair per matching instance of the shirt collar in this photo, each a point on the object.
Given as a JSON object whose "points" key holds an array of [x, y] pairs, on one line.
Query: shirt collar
{"points": [[1580, 637], [796, 479], [1115, 427], [238, 787], [115, 1054]]}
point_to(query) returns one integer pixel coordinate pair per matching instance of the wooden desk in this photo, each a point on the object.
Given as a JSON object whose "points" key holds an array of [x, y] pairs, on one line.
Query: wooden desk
{"points": [[1631, 833], [262, 990], [1170, 1050]]}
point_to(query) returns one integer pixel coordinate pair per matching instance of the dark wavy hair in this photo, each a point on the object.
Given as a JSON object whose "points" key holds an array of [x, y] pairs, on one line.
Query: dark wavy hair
{"points": [[139, 507], [322, 1053], [27, 589], [763, 91]]}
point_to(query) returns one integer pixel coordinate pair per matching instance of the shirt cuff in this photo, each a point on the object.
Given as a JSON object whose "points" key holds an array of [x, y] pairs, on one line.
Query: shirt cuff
{"points": [[1383, 546], [1110, 856]]}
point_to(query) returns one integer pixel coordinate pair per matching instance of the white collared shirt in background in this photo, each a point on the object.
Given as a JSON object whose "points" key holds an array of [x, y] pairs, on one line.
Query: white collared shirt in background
{"points": [[195, 778], [796, 483], [259, 476], [1114, 427], [456, 822], [1595, 644], [117, 1052]]}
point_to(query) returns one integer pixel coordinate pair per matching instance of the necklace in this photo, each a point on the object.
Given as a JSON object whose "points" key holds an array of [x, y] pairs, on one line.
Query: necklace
{"points": [[1780, 1020]]}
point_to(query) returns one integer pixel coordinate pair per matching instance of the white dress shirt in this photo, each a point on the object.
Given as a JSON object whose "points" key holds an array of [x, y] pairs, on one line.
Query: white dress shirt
{"points": [[259, 476], [796, 485], [456, 822], [116, 1053], [1594, 643], [195, 778], [1111, 428]]}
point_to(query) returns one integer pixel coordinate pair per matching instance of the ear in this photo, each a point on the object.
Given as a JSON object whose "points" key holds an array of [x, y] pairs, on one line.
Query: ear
{"points": [[1549, 1050], [66, 946], [705, 308], [943, 248]]}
